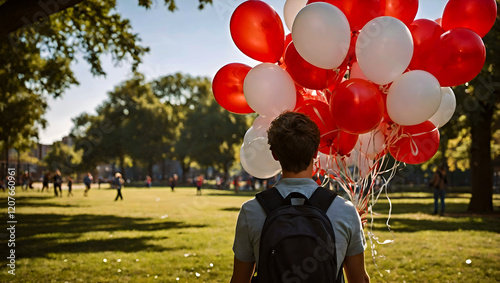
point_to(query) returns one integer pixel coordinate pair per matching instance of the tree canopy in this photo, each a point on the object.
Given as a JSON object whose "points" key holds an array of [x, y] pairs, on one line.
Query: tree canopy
{"points": [[40, 39], [173, 117]]}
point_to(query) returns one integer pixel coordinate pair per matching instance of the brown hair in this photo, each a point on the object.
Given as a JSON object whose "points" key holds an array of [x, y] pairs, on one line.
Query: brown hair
{"points": [[294, 140]]}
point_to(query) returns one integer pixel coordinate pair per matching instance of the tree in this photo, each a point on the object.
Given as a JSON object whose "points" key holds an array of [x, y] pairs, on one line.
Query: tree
{"points": [[63, 158], [211, 136], [148, 124], [132, 122], [185, 94], [21, 116], [478, 102]]}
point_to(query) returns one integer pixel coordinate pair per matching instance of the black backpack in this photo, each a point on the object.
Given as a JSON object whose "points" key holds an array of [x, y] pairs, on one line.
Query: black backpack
{"points": [[297, 243]]}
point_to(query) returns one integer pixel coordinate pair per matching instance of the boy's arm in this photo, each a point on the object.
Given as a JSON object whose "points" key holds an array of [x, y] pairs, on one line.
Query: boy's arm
{"points": [[354, 267], [242, 271]]}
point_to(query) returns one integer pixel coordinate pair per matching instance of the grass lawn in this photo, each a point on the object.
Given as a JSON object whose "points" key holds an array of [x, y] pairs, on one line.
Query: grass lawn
{"points": [[156, 235]]}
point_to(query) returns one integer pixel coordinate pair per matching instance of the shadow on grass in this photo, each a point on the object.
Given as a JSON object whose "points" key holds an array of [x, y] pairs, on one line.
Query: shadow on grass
{"points": [[442, 223], [427, 195], [230, 209], [40, 234], [36, 201], [231, 193], [37, 224], [33, 248]]}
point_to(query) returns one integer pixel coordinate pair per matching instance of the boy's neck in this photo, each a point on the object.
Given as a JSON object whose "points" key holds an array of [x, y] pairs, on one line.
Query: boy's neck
{"points": [[302, 174]]}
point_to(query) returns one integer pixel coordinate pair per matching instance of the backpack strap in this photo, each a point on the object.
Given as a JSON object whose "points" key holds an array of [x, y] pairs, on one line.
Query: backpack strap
{"points": [[270, 199], [322, 198]]}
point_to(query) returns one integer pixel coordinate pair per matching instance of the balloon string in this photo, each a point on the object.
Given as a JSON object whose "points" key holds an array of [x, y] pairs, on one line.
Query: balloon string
{"points": [[384, 88], [364, 191]]}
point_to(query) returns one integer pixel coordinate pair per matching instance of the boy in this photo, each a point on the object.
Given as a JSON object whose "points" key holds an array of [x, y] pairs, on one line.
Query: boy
{"points": [[294, 141]]}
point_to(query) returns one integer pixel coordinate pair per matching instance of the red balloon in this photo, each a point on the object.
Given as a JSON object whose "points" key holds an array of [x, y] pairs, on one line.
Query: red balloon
{"points": [[257, 31], [338, 142], [288, 40], [404, 10], [476, 15], [319, 112], [386, 118], [351, 53], [416, 144], [460, 57], [357, 106], [306, 74], [426, 39], [358, 12], [227, 87]]}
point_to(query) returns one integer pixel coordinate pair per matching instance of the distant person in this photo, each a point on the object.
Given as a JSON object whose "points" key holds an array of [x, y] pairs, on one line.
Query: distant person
{"points": [[58, 183], [294, 141], [70, 186], [248, 183], [199, 183], [118, 184], [2, 185], [218, 182], [30, 181], [439, 183], [25, 181], [148, 182], [45, 181], [236, 183], [87, 180], [173, 182]]}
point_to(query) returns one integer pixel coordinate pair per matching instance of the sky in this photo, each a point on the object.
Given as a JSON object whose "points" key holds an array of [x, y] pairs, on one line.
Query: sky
{"points": [[189, 41]]}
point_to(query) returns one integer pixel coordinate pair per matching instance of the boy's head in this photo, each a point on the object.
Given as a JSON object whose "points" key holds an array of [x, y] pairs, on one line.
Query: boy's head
{"points": [[294, 141]]}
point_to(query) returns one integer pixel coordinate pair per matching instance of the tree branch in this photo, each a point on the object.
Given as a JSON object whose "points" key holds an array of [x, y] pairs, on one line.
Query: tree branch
{"points": [[15, 14]]}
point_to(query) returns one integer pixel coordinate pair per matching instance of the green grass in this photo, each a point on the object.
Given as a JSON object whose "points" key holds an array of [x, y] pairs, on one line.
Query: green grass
{"points": [[155, 235]]}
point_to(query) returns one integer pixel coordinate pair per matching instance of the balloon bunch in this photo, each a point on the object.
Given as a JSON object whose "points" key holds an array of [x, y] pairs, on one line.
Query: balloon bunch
{"points": [[375, 81]]}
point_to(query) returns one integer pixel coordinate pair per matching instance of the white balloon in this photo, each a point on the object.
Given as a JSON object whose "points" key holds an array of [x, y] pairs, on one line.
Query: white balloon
{"points": [[329, 163], [351, 158], [261, 125], [384, 49], [413, 98], [292, 7], [321, 35], [258, 129], [446, 108], [256, 158], [324, 160], [371, 143], [365, 165], [269, 90]]}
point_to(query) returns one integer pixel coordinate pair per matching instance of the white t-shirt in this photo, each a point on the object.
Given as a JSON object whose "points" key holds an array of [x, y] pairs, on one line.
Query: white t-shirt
{"points": [[349, 237]]}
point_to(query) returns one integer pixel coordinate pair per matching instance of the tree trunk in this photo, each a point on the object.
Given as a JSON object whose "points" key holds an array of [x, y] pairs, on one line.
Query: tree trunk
{"points": [[15, 14], [480, 162], [185, 169], [6, 143]]}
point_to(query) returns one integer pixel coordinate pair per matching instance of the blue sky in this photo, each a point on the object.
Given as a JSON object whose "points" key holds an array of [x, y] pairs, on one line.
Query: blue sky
{"points": [[188, 41]]}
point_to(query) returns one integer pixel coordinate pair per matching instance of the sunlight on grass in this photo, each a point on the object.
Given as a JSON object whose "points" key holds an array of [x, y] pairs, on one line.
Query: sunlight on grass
{"points": [[159, 235]]}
